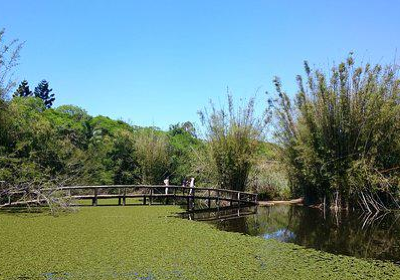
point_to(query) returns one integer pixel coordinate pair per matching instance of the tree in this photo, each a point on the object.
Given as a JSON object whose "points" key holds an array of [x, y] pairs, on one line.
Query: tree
{"points": [[23, 90], [44, 92], [9, 55], [184, 144]]}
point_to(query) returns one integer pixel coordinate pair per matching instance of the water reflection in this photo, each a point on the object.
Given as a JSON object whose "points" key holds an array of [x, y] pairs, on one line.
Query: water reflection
{"points": [[361, 235]]}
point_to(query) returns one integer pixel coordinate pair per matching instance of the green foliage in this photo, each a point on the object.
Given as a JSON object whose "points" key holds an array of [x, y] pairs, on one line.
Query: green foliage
{"points": [[269, 180], [31, 147], [153, 153], [43, 92], [109, 151], [233, 137], [184, 144], [124, 158], [146, 243], [341, 137], [39, 143]]}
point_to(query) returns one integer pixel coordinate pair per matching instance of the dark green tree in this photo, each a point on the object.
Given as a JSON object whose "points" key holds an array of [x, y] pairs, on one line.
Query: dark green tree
{"points": [[43, 91], [23, 90]]}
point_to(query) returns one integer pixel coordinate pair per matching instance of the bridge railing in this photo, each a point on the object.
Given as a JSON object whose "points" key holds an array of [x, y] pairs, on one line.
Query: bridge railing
{"points": [[148, 193], [153, 191]]}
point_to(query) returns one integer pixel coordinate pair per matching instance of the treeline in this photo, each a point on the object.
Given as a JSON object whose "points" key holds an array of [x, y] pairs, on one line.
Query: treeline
{"points": [[67, 144]]}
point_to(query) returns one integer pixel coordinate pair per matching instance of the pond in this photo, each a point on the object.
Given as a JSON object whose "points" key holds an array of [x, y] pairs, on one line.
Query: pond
{"points": [[375, 236]]}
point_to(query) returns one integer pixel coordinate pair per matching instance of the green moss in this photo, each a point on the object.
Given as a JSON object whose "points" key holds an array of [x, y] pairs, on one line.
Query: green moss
{"points": [[147, 243]]}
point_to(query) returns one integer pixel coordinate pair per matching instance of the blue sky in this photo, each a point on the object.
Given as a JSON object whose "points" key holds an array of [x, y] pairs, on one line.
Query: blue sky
{"points": [[159, 62]]}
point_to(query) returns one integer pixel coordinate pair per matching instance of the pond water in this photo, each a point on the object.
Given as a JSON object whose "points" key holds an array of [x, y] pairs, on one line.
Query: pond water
{"points": [[375, 236]]}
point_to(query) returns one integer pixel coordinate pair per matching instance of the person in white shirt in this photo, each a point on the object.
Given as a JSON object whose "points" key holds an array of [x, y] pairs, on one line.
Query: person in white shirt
{"points": [[166, 182], [191, 185]]}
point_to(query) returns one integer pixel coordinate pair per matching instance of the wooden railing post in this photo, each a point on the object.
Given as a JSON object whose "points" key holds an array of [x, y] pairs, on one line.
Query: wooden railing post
{"points": [[174, 196], [193, 195], [151, 196], [95, 197], [218, 198], [209, 199], [124, 198], [119, 197]]}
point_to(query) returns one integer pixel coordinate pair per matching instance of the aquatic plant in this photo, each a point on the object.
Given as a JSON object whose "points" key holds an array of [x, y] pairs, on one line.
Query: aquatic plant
{"points": [[148, 243]]}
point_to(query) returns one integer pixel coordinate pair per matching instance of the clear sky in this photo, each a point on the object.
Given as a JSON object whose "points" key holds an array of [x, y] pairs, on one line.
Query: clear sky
{"points": [[158, 62]]}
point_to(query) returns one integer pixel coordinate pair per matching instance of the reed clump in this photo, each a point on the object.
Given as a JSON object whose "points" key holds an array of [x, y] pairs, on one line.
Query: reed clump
{"points": [[341, 136]]}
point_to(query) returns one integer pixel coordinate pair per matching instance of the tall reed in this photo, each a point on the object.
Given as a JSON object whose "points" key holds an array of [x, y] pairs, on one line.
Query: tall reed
{"points": [[233, 137], [341, 135]]}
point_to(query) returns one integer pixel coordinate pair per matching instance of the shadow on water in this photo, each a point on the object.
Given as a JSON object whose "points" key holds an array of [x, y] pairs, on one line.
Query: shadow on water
{"points": [[375, 236]]}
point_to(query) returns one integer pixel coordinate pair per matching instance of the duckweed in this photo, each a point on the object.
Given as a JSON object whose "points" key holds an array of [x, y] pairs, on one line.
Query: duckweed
{"points": [[143, 242]]}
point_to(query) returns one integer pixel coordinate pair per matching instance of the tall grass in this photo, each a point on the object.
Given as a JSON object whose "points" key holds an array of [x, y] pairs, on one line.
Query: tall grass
{"points": [[153, 154], [341, 135], [233, 137]]}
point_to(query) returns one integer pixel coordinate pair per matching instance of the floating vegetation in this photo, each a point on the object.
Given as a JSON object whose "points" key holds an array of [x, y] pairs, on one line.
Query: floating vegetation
{"points": [[145, 243]]}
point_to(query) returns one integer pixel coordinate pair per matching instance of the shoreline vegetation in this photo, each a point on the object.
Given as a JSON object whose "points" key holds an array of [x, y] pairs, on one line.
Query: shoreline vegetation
{"points": [[148, 243]]}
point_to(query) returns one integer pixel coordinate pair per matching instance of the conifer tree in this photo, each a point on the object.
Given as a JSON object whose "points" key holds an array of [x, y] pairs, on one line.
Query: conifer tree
{"points": [[23, 90], [44, 92]]}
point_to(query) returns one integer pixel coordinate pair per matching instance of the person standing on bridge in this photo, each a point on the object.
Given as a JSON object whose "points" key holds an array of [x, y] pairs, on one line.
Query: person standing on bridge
{"points": [[191, 185], [166, 182]]}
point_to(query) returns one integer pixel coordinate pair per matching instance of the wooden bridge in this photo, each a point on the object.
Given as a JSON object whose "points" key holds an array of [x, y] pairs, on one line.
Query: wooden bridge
{"points": [[149, 194]]}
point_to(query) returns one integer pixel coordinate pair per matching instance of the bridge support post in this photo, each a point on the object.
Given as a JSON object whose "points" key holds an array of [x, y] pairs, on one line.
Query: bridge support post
{"points": [[144, 200], [209, 199], [151, 197], [94, 202], [193, 199], [124, 198]]}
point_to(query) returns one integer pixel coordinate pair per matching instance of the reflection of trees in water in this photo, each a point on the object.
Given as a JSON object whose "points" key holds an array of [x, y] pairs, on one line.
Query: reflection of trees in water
{"points": [[350, 233], [365, 236], [269, 220]]}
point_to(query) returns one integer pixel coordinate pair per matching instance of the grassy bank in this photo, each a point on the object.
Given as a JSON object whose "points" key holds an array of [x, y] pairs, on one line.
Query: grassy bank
{"points": [[146, 243]]}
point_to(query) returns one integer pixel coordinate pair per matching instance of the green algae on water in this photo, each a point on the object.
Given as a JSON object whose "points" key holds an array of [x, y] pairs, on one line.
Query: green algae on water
{"points": [[143, 242]]}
